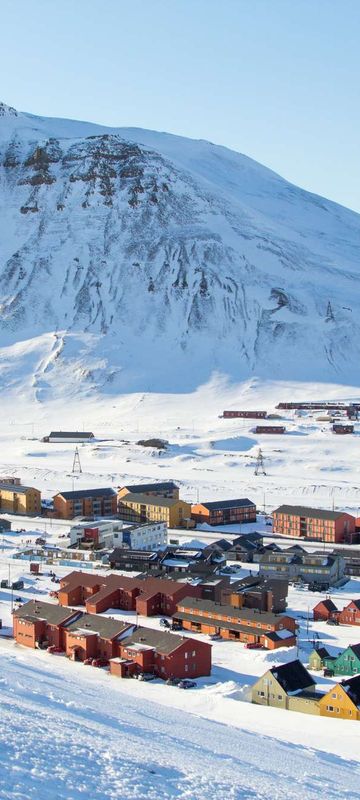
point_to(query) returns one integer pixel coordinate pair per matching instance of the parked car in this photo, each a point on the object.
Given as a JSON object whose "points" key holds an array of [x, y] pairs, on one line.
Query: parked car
{"points": [[165, 623], [254, 646], [100, 662], [177, 626], [332, 621], [88, 662], [328, 673], [173, 681], [146, 676], [215, 637], [186, 684], [53, 594]]}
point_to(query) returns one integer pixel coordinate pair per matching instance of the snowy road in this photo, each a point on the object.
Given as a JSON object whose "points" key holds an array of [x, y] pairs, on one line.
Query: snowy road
{"points": [[65, 734]]}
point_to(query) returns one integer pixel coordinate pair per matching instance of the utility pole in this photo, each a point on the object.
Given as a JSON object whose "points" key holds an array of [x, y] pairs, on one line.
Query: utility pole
{"points": [[76, 467], [259, 464]]}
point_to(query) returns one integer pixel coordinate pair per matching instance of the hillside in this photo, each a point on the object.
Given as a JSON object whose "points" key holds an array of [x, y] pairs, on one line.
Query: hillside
{"points": [[139, 261]]}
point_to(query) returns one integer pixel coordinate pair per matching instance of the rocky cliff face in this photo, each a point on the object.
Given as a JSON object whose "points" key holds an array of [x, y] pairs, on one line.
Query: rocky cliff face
{"points": [[136, 260]]}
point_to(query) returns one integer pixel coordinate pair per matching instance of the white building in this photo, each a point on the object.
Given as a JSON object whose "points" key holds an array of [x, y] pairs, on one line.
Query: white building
{"points": [[149, 536], [109, 533], [72, 437]]}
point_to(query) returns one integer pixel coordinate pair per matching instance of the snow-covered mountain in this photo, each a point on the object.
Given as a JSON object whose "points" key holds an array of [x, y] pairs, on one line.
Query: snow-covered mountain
{"points": [[135, 260]]}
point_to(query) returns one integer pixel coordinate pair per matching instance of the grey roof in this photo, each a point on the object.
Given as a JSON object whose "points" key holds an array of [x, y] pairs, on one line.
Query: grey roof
{"points": [[292, 676], [148, 487], [223, 504], [148, 500], [106, 627], [52, 613], [304, 511], [104, 492], [162, 641], [12, 487], [250, 614], [67, 434], [355, 649]]}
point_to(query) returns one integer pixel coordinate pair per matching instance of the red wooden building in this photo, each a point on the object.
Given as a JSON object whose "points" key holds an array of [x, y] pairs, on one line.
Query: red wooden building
{"points": [[38, 624], [324, 610], [270, 429], [148, 596], [163, 654]]}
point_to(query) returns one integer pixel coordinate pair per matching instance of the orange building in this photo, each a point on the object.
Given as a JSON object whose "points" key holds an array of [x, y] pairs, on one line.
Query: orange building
{"points": [[313, 523], [86, 503], [246, 625], [342, 701], [224, 512]]}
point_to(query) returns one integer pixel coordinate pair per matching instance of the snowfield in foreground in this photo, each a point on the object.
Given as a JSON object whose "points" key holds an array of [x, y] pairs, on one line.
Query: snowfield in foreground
{"points": [[66, 733]]}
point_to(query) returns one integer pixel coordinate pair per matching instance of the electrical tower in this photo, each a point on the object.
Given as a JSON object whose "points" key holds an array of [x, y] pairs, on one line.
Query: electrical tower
{"points": [[76, 467], [259, 466]]}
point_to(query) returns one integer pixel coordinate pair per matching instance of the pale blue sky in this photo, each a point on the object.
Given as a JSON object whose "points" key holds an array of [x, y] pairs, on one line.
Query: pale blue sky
{"points": [[275, 79]]}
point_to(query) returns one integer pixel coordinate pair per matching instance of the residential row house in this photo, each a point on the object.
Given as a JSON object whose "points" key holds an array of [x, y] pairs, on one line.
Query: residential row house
{"points": [[146, 596], [18, 499], [262, 628], [313, 523], [129, 649]]}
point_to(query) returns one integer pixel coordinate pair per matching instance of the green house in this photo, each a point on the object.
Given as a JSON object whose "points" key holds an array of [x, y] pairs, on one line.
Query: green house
{"points": [[317, 658], [346, 663]]}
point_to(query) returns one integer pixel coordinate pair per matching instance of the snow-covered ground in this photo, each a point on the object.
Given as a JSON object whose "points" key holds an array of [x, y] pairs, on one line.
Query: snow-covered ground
{"points": [[65, 727]]}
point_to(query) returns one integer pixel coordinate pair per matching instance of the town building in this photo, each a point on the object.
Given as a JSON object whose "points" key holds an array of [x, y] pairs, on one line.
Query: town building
{"points": [[342, 429], [94, 636], [317, 658], [345, 663], [224, 512], [38, 624], [127, 648], [69, 437], [262, 628], [317, 569], [146, 596], [109, 533], [244, 414], [289, 686], [164, 654], [136, 507], [164, 489], [18, 499], [256, 591], [86, 503], [326, 610], [313, 523], [342, 701], [270, 429]]}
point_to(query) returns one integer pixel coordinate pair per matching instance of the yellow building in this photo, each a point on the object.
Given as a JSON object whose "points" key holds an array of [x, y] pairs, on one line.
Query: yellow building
{"points": [[136, 507], [342, 701], [17, 499]]}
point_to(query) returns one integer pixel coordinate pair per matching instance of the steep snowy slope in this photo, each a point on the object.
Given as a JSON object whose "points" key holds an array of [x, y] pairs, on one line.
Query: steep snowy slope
{"points": [[135, 260]]}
